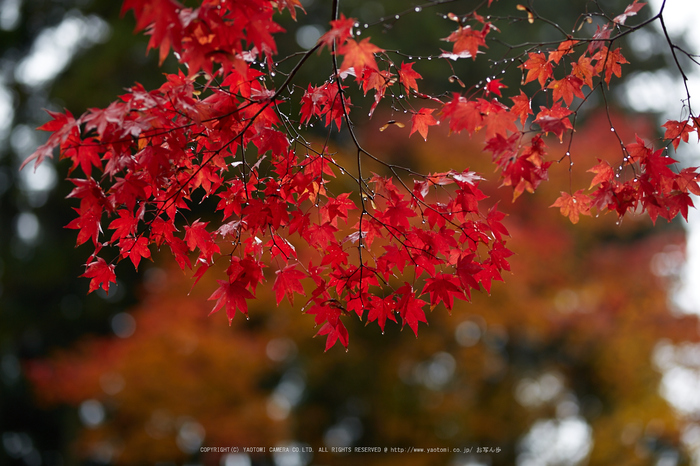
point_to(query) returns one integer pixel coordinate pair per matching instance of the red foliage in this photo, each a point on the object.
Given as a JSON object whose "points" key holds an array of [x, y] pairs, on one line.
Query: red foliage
{"points": [[399, 234]]}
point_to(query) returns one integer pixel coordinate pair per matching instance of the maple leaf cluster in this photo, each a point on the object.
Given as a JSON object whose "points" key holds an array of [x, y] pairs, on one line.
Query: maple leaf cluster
{"points": [[396, 244]]}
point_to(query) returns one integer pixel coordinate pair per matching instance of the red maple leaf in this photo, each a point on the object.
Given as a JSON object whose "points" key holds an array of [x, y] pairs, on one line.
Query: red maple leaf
{"points": [[233, 296], [381, 309], [554, 120], [573, 206], [397, 214], [566, 89], [687, 180], [88, 224], [421, 121], [341, 29], [496, 118], [468, 40], [604, 172], [408, 77], [101, 273], [134, 249], [466, 271], [521, 107], [410, 308], [124, 225], [494, 86], [84, 154], [463, 114], [539, 68], [335, 333], [599, 38], [564, 48], [656, 166], [287, 283], [291, 5], [637, 151], [584, 69], [358, 55], [443, 288], [62, 125], [337, 208], [677, 131], [631, 10], [197, 236], [610, 61]]}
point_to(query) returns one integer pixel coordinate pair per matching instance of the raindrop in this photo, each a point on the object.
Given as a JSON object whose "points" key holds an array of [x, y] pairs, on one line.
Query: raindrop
{"points": [[444, 16], [366, 25], [396, 17], [418, 9], [568, 154], [272, 73], [612, 129], [400, 96], [357, 33], [247, 317], [503, 71], [430, 58]]}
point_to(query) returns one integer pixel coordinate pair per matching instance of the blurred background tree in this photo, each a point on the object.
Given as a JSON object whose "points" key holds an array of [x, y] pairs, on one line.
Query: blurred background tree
{"points": [[557, 367]]}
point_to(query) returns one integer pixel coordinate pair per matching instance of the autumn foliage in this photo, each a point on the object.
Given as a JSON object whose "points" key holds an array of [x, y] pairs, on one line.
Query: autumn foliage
{"points": [[378, 244], [565, 320]]}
